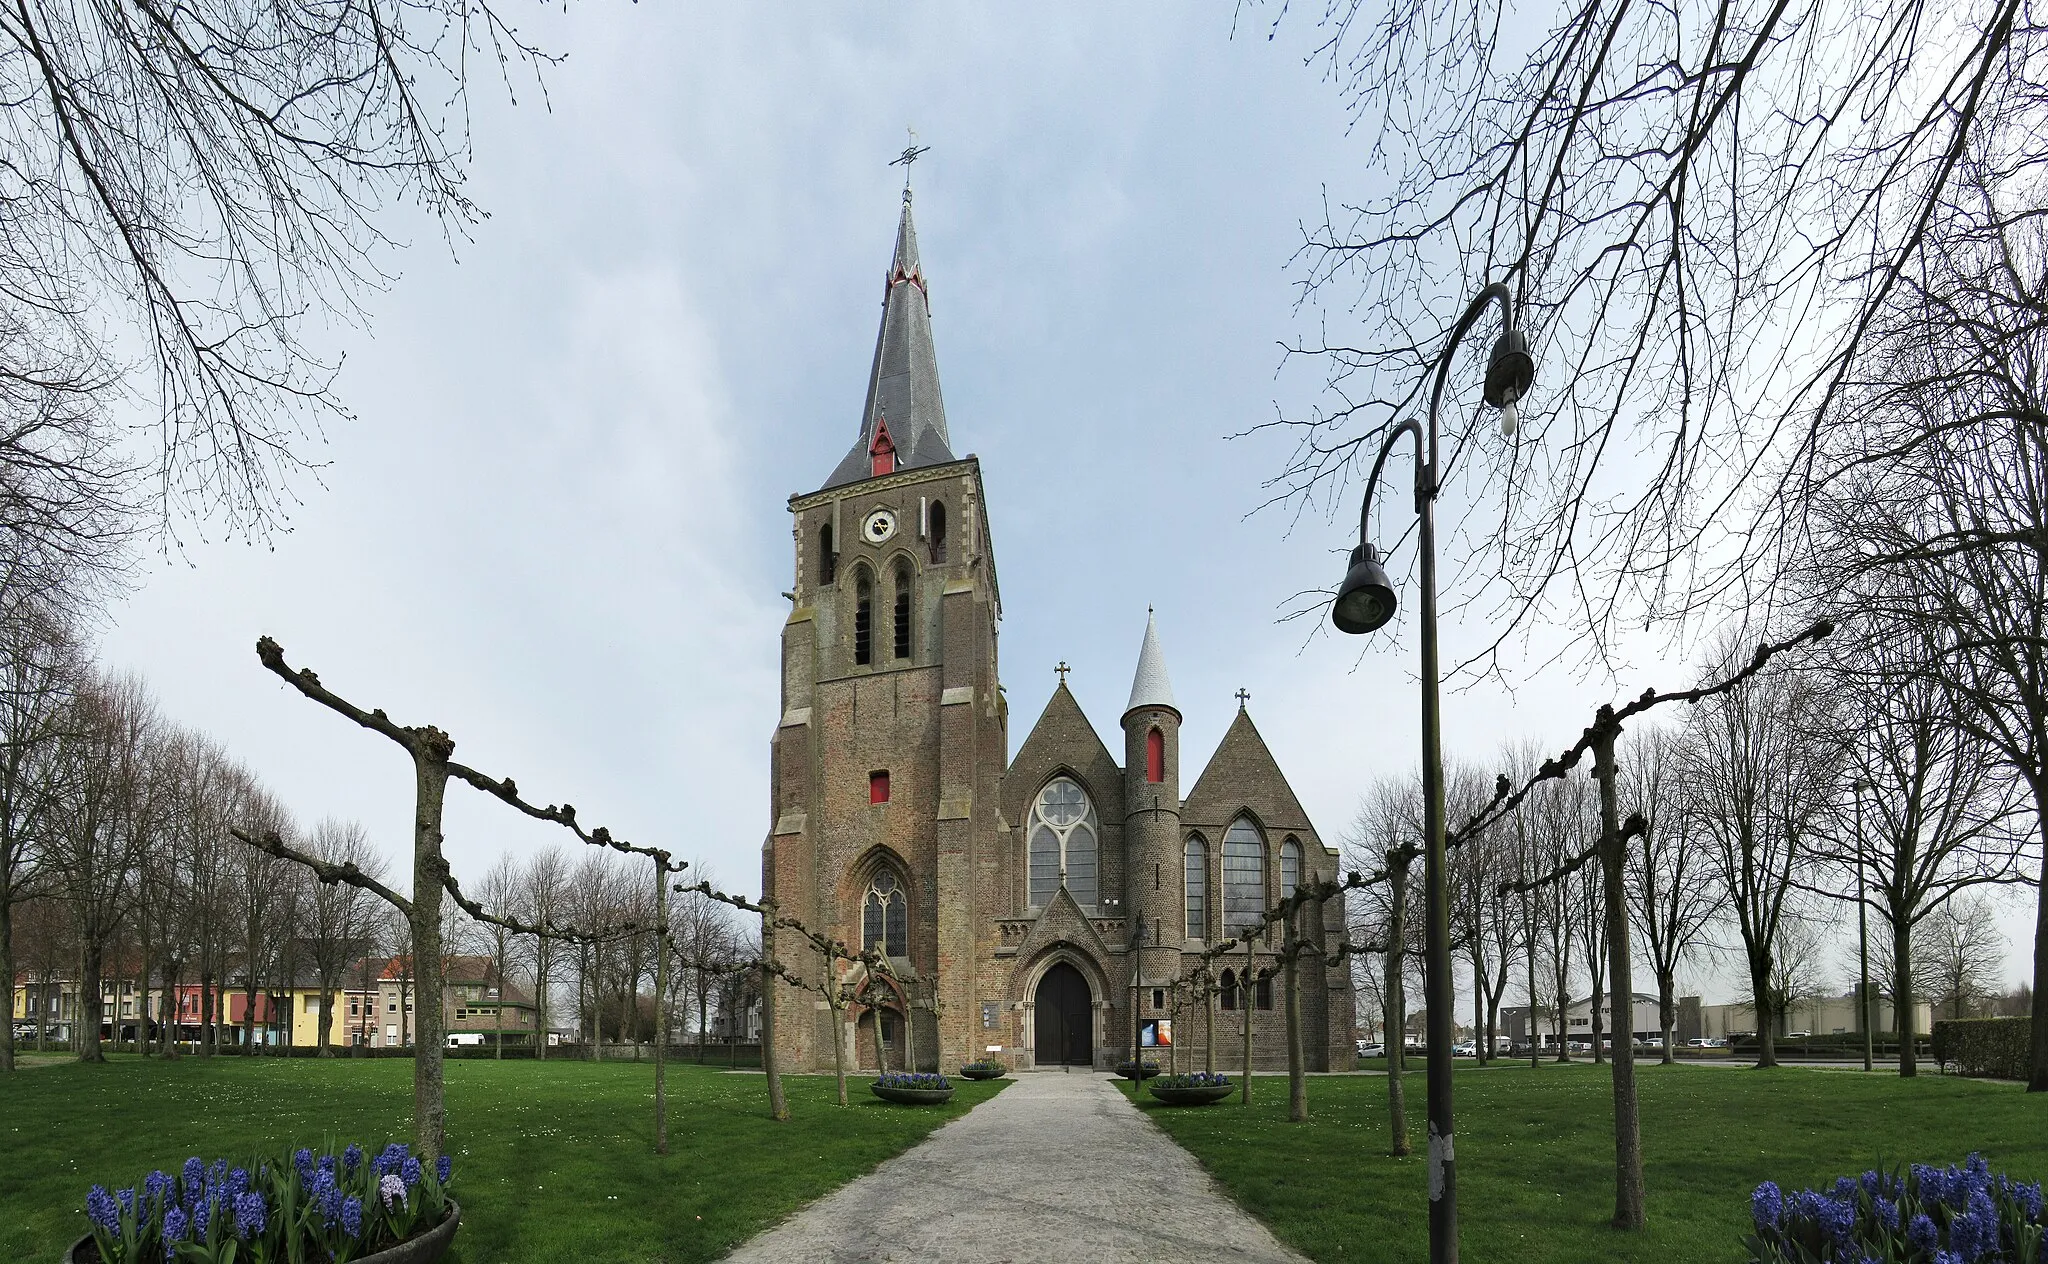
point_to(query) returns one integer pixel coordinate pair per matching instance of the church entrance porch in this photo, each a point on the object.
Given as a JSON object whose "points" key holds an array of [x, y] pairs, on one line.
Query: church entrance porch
{"points": [[1064, 1026]]}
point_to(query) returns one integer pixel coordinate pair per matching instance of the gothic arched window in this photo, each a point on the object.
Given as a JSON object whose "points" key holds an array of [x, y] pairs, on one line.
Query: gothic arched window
{"points": [[885, 915], [1197, 883], [1244, 877], [828, 557], [937, 529], [1229, 990], [863, 618], [1062, 833], [1290, 866], [902, 623]]}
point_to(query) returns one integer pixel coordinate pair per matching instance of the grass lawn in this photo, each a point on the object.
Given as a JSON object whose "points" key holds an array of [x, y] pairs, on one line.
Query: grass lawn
{"points": [[554, 1161], [1536, 1155]]}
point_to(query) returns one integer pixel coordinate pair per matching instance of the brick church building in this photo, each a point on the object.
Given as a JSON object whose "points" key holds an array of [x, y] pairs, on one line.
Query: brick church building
{"points": [[1028, 906]]}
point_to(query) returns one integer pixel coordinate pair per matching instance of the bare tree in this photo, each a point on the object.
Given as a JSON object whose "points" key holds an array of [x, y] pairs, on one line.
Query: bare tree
{"points": [[1961, 955], [1672, 895], [543, 892], [1758, 785], [499, 888], [339, 913], [39, 676], [193, 184]]}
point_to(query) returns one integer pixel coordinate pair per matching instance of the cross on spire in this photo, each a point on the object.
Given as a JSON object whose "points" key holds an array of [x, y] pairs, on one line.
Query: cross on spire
{"points": [[911, 153], [1243, 696], [1063, 669]]}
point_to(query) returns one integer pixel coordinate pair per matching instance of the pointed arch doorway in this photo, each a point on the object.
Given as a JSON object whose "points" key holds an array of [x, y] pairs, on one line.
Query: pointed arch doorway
{"points": [[1064, 1024]]}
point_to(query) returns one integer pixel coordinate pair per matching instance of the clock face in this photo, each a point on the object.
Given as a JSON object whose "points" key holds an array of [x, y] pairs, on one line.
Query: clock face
{"points": [[878, 526]]}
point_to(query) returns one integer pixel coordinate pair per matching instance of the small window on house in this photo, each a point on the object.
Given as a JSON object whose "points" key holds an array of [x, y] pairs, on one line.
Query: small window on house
{"points": [[1265, 991], [902, 621], [828, 556], [882, 452], [938, 531], [878, 786], [1155, 757], [863, 620], [1229, 990], [1158, 998]]}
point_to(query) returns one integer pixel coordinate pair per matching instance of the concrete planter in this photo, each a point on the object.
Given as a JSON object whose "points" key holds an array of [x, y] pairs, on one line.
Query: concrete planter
{"points": [[982, 1072], [1203, 1095], [1136, 1071], [421, 1248], [909, 1096]]}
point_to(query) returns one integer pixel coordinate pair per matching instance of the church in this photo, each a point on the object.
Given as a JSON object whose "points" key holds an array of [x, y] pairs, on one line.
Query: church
{"points": [[1037, 911]]}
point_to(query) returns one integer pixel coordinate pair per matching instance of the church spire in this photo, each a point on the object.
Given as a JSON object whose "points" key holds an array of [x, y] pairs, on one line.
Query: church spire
{"points": [[904, 383], [1150, 687]]}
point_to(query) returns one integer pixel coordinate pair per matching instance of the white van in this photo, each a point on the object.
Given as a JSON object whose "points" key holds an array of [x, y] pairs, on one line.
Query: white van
{"points": [[458, 1039]]}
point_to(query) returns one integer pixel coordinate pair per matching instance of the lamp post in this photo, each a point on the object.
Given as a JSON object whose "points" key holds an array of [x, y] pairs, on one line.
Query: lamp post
{"points": [[1863, 1005], [1365, 601]]}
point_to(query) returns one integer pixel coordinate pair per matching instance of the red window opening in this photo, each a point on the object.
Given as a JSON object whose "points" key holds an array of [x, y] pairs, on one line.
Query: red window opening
{"points": [[1155, 756], [882, 452], [878, 786]]}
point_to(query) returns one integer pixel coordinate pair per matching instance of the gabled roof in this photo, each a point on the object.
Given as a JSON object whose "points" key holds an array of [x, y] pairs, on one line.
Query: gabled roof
{"points": [[1062, 738], [904, 383], [1242, 760], [1150, 687]]}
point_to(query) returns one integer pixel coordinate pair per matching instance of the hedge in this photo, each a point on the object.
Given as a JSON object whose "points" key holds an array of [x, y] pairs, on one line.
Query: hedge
{"points": [[1997, 1048]]}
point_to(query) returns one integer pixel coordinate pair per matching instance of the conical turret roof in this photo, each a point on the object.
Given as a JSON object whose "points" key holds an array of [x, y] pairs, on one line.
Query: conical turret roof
{"points": [[1150, 687], [904, 384]]}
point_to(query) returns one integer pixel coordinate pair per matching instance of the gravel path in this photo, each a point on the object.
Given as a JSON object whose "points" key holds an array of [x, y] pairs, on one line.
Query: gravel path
{"points": [[1058, 1166]]}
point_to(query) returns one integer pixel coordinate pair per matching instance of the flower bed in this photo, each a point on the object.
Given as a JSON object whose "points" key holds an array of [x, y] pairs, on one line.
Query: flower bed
{"points": [[1932, 1215], [912, 1088], [1137, 1070], [984, 1070], [1199, 1089], [339, 1208]]}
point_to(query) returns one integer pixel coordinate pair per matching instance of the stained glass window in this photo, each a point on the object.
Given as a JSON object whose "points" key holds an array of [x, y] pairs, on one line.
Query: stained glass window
{"points": [[1197, 889], [1244, 877], [1062, 831], [885, 916]]}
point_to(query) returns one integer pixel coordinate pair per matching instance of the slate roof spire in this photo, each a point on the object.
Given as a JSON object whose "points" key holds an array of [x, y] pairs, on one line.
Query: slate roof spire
{"points": [[1150, 687], [904, 383]]}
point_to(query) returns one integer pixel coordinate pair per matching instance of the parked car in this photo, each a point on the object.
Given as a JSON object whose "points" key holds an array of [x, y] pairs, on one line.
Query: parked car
{"points": [[1371, 1049], [24, 1031], [1651, 1042], [1699, 1042], [1798, 1035], [1465, 1049]]}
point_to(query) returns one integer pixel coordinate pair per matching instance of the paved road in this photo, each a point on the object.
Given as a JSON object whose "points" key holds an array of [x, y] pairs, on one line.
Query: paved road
{"points": [[1055, 1167]]}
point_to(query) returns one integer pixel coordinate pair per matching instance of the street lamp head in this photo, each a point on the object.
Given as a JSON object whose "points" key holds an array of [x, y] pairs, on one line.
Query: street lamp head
{"points": [[1365, 600], [1509, 371]]}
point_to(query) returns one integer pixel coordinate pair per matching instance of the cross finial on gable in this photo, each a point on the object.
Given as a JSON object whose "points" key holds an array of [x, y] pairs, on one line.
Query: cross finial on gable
{"points": [[1063, 669], [1243, 696]]}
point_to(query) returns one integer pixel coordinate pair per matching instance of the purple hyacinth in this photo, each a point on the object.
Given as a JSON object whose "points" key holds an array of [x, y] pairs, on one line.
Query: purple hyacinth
{"points": [[176, 1224], [155, 1185], [127, 1198], [1837, 1219], [1767, 1206], [444, 1165], [352, 1217], [1920, 1231], [100, 1209], [390, 1189], [352, 1158], [302, 1159], [249, 1215], [202, 1219], [195, 1178], [2029, 1198], [1887, 1213]]}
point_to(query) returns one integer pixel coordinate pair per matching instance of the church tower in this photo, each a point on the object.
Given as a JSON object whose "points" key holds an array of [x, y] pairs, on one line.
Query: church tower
{"points": [[1152, 834], [890, 751]]}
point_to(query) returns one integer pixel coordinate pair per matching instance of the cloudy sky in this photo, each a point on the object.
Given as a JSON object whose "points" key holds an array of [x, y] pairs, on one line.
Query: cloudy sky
{"points": [[557, 527]]}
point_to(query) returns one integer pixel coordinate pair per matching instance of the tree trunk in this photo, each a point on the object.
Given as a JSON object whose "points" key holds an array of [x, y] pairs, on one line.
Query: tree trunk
{"points": [[1903, 1007], [1667, 1011], [207, 1040], [1766, 1012], [429, 870], [1479, 999], [7, 976], [1628, 1142], [778, 1105], [1397, 1011], [660, 1005], [1208, 1027], [1248, 996], [2037, 1082], [1297, 1081], [833, 1001], [1529, 939], [85, 1027]]}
